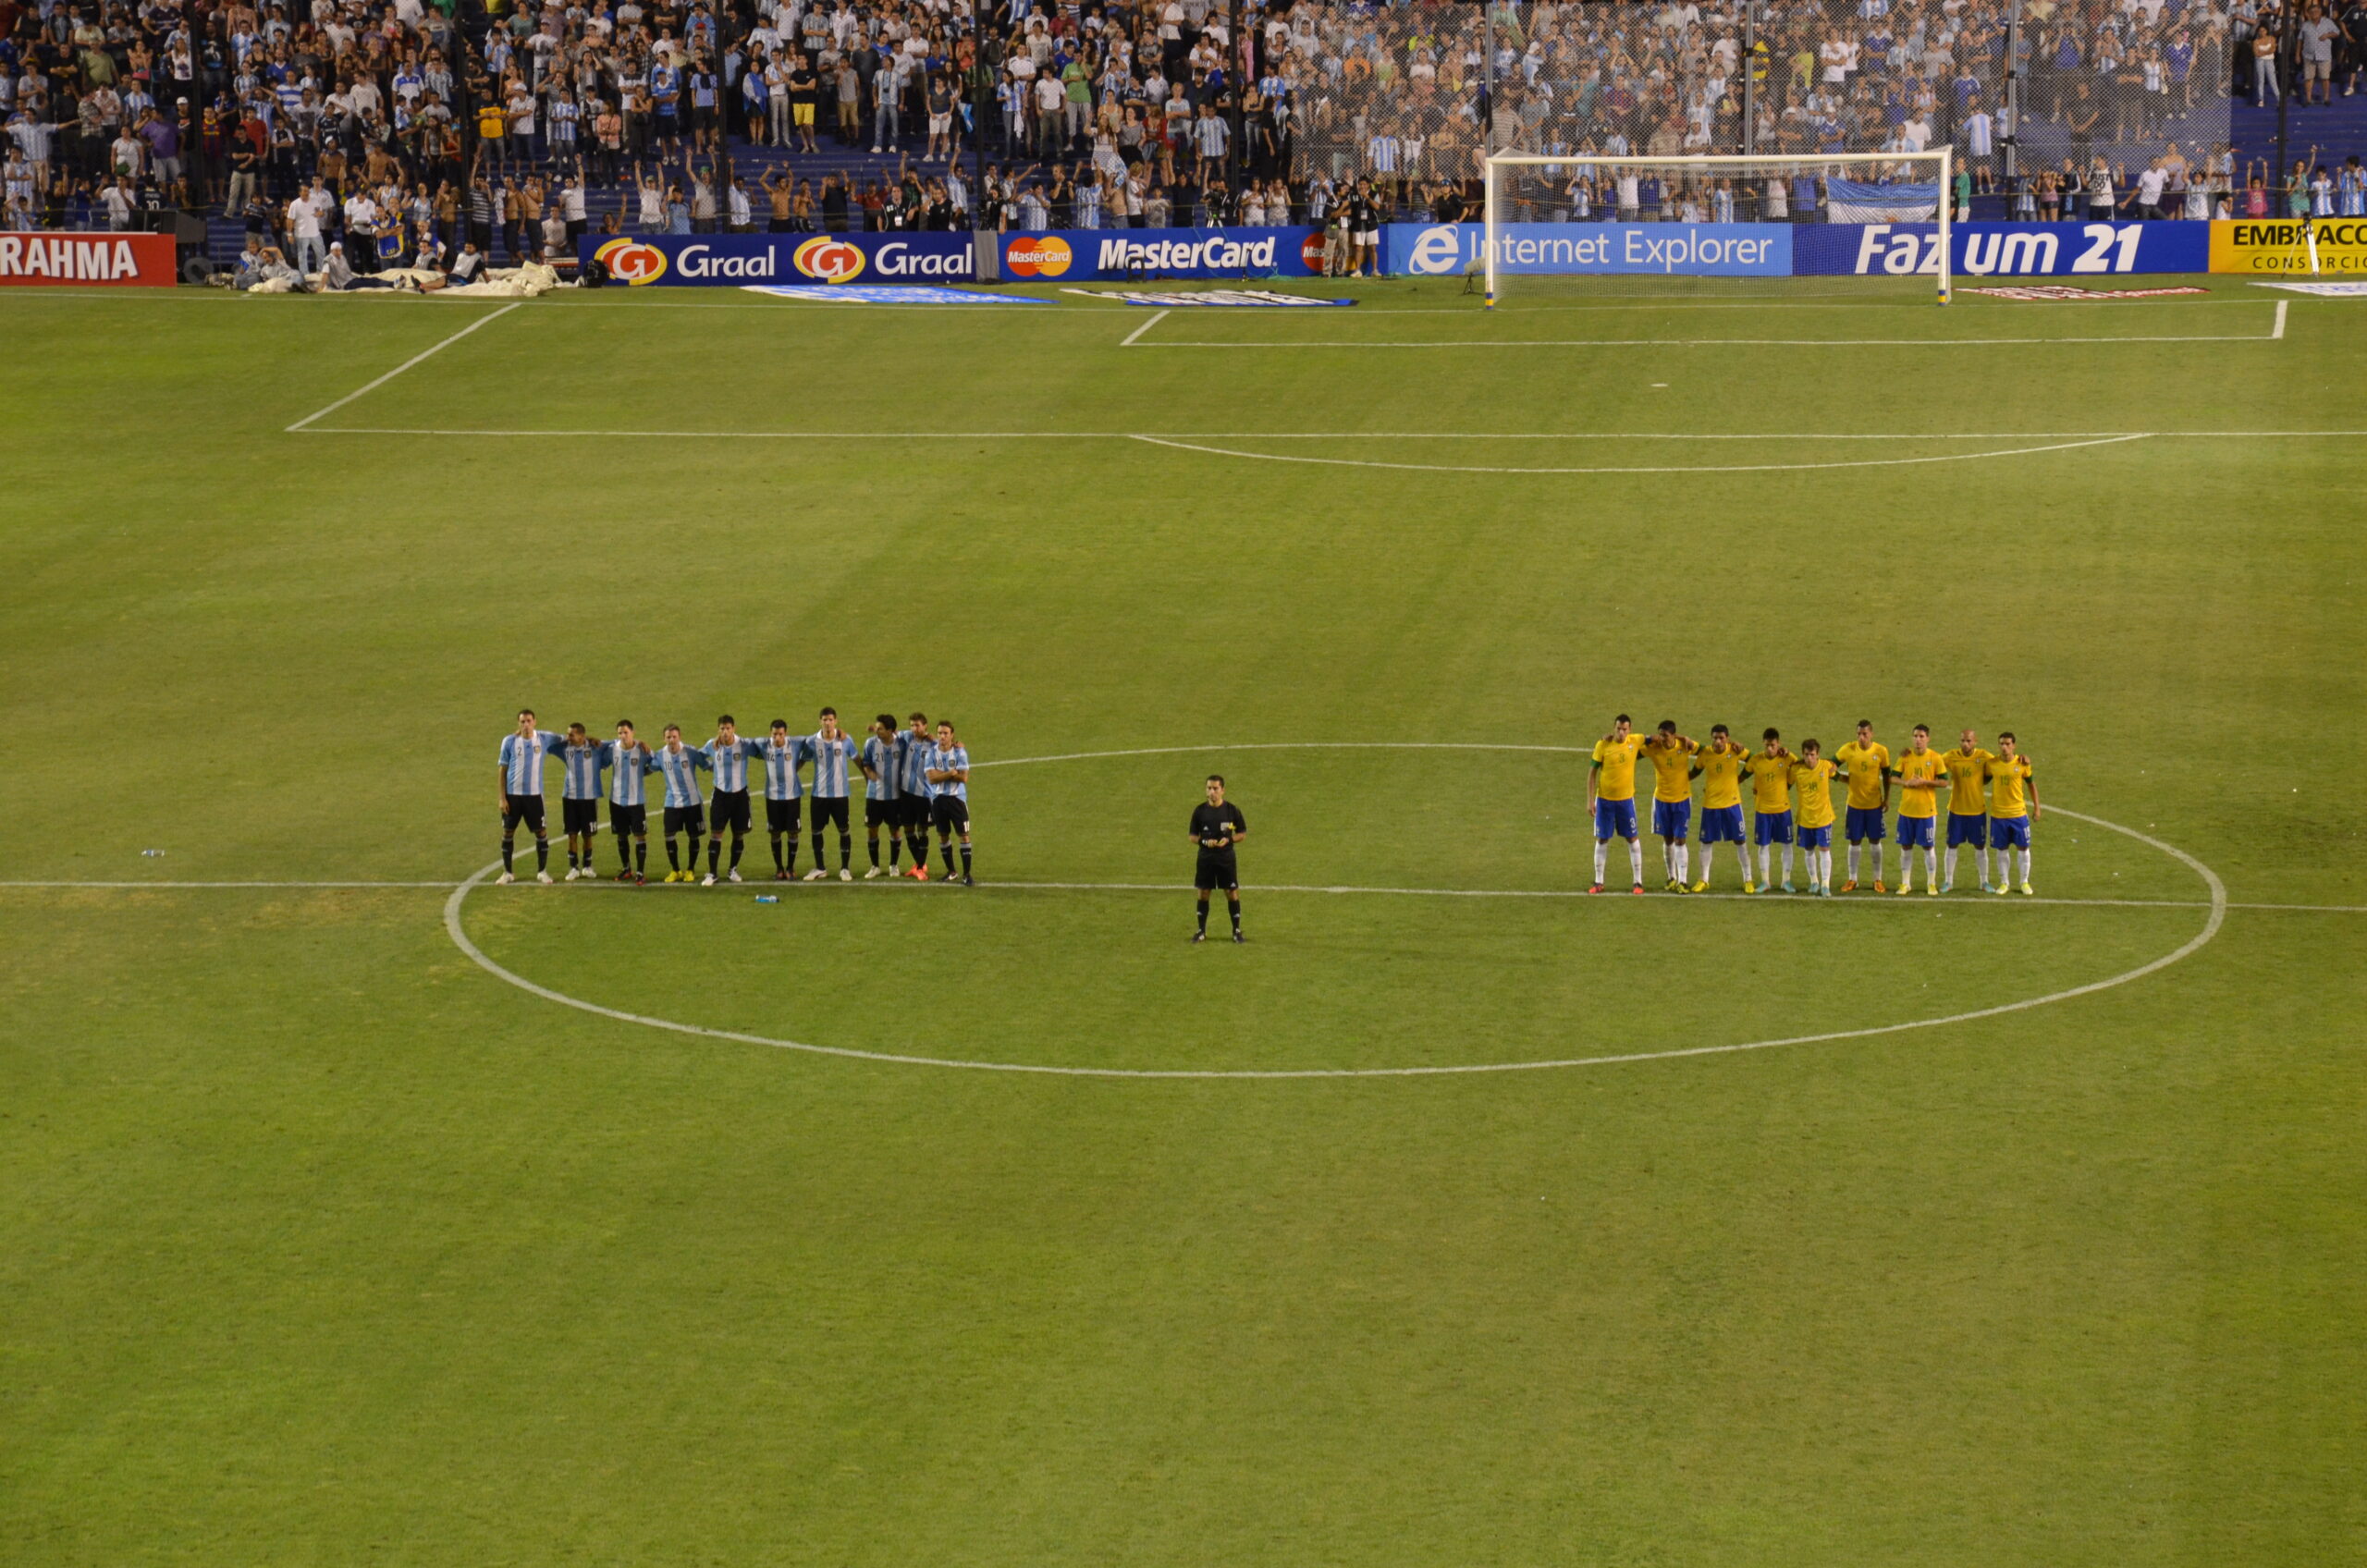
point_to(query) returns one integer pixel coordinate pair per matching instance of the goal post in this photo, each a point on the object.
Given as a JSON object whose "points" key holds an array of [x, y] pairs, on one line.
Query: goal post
{"points": [[1713, 188]]}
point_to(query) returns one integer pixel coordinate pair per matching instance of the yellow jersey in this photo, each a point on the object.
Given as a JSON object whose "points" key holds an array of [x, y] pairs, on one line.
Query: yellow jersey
{"points": [[1914, 769], [1770, 781], [2007, 797], [1815, 781], [1721, 776], [1968, 779], [1617, 760], [1866, 766], [1672, 768]]}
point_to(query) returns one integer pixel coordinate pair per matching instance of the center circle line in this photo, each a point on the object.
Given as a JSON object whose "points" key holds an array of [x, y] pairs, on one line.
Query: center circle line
{"points": [[2217, 917]]}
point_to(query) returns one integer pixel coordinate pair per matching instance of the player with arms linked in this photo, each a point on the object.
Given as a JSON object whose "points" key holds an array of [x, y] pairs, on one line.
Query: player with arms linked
{"points": [[1217, 827], [1611, 799], [521, 792]]}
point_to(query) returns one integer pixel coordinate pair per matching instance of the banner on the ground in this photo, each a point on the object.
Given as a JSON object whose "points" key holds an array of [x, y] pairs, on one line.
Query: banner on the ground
{"points": [[2279, 247], [737, 260], [1071, 255], [1693, 250], [2000, 250], [125, 260]]}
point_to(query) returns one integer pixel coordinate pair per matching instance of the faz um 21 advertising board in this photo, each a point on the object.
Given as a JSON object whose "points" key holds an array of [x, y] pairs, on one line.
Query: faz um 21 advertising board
{"points": [[2000, 250], [678, 260]]}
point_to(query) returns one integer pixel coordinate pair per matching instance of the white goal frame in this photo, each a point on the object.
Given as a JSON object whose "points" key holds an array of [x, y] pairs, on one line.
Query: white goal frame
{"points": [[1943, 158]]}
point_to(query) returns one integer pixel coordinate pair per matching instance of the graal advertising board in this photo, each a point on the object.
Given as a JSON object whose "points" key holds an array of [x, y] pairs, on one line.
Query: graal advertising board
{"points": [[678, 261]]}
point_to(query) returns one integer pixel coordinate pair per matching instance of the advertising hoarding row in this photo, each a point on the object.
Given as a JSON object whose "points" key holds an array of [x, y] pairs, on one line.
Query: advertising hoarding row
{"points": [[122, 261]]}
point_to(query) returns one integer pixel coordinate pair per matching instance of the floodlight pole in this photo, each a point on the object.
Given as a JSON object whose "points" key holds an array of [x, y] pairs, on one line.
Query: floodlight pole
{"points": [[2013, 104], [1750, 76], [1236, 69]]}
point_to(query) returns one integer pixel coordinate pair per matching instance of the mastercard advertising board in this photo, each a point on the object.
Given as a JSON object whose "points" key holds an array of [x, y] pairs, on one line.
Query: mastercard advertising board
{"points": [[692, 261], [1070, 254]]}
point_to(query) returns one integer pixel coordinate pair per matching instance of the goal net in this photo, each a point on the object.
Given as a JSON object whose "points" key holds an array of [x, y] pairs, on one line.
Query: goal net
{"points": [[1708, 216]]}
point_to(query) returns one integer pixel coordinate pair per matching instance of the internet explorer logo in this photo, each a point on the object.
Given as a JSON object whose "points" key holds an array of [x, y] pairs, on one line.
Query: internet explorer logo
{"points": [[1436, 250]]}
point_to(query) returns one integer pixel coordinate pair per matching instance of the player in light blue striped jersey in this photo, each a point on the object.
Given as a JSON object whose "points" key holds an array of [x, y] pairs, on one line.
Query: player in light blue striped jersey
{"points": [[726, 758], [833, 750], [628, 808], [580, 798], [912, 789], [880, 794], [782, 755], [682, 766], [949, 803], [521, 792]]}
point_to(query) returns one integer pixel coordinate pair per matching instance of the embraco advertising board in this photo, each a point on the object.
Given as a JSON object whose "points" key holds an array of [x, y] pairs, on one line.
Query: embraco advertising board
{"points": [[676, 261], [2281, 248]]}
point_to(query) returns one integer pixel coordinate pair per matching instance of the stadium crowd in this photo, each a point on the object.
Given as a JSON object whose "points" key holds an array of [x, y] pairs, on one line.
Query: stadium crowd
{"points": [[412, 128]]}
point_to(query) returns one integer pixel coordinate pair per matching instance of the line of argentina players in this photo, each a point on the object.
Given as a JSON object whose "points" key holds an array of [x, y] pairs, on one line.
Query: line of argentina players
{"points": [[912, 779], [1988, 798]]}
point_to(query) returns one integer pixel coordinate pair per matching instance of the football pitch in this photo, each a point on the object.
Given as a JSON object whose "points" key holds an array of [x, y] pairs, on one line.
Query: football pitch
{"points": [[354, 1208]]}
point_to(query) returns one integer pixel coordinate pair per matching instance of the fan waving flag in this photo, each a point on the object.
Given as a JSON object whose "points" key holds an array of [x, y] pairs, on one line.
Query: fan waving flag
{"points": [[1850, 201]]}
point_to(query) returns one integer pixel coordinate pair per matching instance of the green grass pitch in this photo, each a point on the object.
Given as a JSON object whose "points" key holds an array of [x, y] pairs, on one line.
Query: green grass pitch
{"points": [[319, 1243]]}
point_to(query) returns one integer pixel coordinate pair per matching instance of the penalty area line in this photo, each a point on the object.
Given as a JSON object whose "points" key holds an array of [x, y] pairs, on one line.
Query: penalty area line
{"points": [[417, 359]]}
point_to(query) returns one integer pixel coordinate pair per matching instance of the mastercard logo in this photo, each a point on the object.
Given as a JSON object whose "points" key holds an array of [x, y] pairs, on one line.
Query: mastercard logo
{"points": [[832, 260], [1310, 250], [1046, 256], [629, 261]]}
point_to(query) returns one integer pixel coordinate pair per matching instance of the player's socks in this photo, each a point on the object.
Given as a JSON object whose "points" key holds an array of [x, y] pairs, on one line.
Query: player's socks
{"points": [[776, 843], [1234, 907], [1683, 853], [1601, 854], [965, 862], [737, 843], [1787, 865], [1931, 868], [1981, 861], [895, 850], [542, 853], [673, 859], [1878, 860], [714, 853], [1853, 862], [846, 850], [508, 852], [947, 846], [873, 845], [1952, 865], [1766, 861], [641, 854], [1635, 860]]}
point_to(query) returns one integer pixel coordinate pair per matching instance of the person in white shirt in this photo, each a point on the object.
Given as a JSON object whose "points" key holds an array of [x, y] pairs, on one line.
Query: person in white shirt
{"points": [[304, 229], [2149, 192]]}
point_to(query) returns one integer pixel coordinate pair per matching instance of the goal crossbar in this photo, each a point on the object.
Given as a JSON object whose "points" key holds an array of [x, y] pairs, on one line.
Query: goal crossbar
{"points": [[1942, 161]]}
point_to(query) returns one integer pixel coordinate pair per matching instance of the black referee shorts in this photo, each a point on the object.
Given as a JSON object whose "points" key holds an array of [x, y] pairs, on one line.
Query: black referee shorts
{"points": [[1215, 871]]}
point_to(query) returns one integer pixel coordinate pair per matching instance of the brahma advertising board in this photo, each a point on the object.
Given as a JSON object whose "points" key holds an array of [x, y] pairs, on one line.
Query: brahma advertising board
{"points": [[678, 260], [1072, 255], [126, 260]]}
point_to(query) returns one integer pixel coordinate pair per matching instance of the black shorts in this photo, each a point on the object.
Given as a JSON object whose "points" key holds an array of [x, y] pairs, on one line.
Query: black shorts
{"points": [[780, 816], [527, 809], [950, 813], [829, 809], [1217, 869], [634, 820], [876, 812], [915, 811], [728, 808], [684, 819], [580, 816]]}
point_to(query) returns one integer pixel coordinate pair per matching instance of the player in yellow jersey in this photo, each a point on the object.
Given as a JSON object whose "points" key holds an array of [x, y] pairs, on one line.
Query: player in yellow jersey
{"points": [[1968, 767], [2013, 807], [1813, 779], [1721, 763], [1610, 798], [1771, 810], [1867, 762], [1920, 778], [1671, 755]]}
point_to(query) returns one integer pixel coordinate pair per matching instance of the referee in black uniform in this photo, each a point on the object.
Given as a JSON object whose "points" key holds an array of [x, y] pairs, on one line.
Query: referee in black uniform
{"points": [[1217, 826]]}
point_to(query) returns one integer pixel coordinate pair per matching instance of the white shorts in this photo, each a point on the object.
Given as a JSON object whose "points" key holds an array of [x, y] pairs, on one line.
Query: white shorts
{"points": [[939, 124], [1367, 237]]}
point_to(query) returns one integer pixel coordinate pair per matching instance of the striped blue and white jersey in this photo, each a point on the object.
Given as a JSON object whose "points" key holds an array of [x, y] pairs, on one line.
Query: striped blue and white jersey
{"points": [[583, 766], [912, 764], [681, 770], [782, 761], [949, 759], [831, 760], [879, 762], [729, 762], [631, 766], [522, 760]]}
